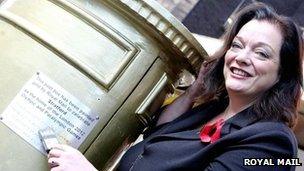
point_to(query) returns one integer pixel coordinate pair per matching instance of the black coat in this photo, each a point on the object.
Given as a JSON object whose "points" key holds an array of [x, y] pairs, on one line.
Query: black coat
{"points": [[176, 145]]}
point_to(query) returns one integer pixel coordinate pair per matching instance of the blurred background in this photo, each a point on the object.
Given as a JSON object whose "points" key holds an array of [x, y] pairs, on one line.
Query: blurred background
{"points": [[209, 17]]}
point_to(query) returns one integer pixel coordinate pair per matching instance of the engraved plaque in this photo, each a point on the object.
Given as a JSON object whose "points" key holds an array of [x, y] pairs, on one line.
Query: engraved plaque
{"points": [[43, 103]]}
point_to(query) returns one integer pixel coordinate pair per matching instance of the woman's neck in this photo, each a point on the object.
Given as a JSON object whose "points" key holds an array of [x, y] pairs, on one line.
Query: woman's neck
{"points": [[237, 104]]}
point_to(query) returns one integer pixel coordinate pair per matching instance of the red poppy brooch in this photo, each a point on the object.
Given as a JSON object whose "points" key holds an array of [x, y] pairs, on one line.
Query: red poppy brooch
{"points": [[211, 133]]}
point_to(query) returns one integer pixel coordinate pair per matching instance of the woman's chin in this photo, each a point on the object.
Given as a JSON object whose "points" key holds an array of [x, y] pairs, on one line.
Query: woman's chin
{"points": [[236, 89]]}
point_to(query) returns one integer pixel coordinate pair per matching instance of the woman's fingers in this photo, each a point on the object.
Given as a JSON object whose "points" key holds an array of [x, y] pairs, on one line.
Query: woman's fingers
{"points": [[54, 156], [203, 69], [67, 158], [55, 169], [54, 152], [53, 162]]}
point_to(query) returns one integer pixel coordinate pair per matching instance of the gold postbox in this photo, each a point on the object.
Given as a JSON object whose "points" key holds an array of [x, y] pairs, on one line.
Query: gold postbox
{"points": [[117, 58]]}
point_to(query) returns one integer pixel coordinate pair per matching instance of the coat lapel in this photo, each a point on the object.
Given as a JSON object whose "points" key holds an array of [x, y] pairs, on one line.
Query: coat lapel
{"points": [[193, 119], [196, 117], [239, 121]]}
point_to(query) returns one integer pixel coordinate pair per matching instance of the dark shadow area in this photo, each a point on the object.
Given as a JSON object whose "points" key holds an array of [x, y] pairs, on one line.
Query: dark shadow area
{"points": [[208, 17]]}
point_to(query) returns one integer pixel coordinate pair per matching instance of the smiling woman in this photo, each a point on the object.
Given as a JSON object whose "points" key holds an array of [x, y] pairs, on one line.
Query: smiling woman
{"points": [[246, 99], [262, 61], [252, 62]]}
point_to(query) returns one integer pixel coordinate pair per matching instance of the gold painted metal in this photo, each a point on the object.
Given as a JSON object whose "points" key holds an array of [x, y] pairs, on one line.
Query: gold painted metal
{"points": [[118, 57], [142, 110]]}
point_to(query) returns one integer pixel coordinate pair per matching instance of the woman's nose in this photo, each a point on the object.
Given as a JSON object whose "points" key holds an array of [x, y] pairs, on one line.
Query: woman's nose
{"points": [[243, 58]]}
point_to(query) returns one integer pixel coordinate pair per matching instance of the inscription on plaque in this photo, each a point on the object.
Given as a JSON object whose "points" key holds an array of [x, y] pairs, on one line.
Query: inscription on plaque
{"points": [[43, 103]]}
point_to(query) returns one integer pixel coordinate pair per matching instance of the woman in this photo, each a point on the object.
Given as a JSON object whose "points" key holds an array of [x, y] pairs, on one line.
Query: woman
{"points": [[249, 92]]}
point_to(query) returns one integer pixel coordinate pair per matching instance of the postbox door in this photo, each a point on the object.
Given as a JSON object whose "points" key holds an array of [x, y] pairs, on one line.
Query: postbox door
{"points": [[92, 60]]}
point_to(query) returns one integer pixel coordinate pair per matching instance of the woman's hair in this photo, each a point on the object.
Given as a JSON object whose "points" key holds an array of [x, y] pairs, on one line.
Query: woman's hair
{"points": [[280, 101]]}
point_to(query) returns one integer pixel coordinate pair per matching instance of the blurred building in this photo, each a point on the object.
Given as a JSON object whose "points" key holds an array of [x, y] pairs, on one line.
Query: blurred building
{"points": [[208, 17]]}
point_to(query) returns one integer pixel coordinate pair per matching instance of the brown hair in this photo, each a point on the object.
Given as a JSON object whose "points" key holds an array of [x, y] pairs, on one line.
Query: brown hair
{"points": [[280, 101]]}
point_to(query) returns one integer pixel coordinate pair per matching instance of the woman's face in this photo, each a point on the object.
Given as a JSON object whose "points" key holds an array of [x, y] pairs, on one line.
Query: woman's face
{"points": [[252, 62]]}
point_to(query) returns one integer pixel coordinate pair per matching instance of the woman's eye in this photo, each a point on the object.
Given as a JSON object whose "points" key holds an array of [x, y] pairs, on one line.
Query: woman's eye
{"points": [[236, 45], [263, 54]]}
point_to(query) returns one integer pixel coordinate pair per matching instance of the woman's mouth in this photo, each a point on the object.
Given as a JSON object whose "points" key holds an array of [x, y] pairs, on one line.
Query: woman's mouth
{"points": [[240, 72]]}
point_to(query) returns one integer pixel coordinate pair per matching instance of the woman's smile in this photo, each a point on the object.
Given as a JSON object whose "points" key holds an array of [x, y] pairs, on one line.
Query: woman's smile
{"points": [[239, 73]]}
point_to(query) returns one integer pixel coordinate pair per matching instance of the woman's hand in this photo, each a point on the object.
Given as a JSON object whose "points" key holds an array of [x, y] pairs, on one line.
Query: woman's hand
{"points": [[198, 87], [66, 158], [184, 102]]}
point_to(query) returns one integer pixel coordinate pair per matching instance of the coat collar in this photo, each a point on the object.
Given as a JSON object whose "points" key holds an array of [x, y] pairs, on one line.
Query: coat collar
{"points": [[240, 120], [199, 115]]}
